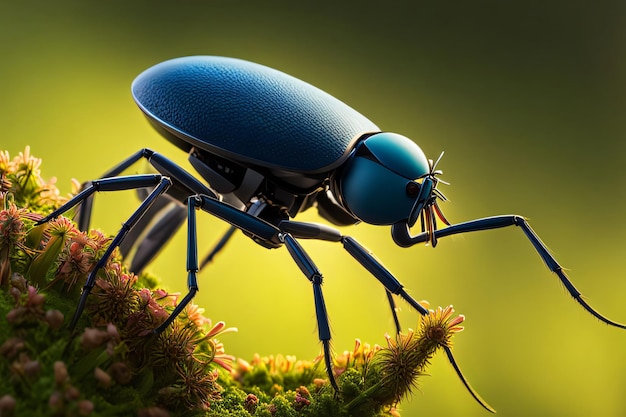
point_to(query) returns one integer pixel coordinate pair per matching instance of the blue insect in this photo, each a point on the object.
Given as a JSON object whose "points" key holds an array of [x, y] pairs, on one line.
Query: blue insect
{"points": [[270, 146]]}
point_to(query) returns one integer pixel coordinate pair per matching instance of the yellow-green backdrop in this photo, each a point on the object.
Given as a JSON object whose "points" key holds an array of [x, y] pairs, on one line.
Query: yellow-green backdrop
{"points": [[526, 98]]}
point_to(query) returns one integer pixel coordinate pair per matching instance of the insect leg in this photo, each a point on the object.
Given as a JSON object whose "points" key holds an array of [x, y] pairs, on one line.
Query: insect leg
{"points": [[309, 269], [84, 214], [392, 285], [168, 213], [394, 311], [159, 207], [402, 237], [305, 230], [238, 219], [369, 262], [172, 213], [242, 220], [192, 262], [160, 184], [169, 220], [172, 179], [257, 227]]}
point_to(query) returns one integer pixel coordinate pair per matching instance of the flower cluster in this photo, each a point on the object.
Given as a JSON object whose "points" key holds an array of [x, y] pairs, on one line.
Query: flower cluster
{"points": [[408, 355], [22, 184], [359, 357], [386, 375], [42, 268], [11, 236]]}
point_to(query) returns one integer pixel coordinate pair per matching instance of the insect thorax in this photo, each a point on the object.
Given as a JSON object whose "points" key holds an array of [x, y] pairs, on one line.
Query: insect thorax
{"points": [[284, 194]]}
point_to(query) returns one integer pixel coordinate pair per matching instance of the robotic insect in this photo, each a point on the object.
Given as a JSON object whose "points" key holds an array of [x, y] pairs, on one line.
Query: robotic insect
{"points": [[272, 146]]}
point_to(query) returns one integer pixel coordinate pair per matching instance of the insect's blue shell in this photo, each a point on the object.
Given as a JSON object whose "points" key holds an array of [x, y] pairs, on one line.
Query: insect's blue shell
{"points": [[248, 113]]}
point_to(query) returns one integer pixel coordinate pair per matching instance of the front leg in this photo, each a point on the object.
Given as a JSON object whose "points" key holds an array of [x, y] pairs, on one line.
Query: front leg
{"points": [[402, 237]]}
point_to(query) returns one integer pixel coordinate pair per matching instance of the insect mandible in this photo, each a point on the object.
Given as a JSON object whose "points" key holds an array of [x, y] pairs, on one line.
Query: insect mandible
{"points": [[270, 146]]}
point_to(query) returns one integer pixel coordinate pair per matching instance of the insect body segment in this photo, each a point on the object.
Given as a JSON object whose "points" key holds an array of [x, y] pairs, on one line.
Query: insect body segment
{"points": [[249, 113], [267, 146], [372, 169]]}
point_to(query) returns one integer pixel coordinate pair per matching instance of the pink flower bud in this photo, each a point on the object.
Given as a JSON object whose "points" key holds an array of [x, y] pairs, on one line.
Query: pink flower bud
{"points": [[93, 338], [102, 377], [60, 373], [7, 404], [54, 318], [85, 407]]}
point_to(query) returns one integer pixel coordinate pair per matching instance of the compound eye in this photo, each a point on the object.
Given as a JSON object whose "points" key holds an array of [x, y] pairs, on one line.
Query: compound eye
{"points": [[412, 189]]}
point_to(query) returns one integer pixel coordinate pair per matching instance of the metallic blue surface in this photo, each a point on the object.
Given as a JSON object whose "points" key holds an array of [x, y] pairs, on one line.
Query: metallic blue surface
{"points": [[373, 184], [248, 112], [375, 194], [399, 154]]}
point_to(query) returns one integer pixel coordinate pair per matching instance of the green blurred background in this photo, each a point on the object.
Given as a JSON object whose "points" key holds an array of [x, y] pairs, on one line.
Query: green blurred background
{"points": [[526, 98]]}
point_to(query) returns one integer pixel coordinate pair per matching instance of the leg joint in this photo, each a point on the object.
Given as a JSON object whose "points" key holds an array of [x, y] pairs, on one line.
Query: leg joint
{"points": [[147, 153], [518, 220], [317, 279]]}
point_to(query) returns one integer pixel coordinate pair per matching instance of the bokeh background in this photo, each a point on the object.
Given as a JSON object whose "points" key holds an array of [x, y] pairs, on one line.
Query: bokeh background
{"points": [[526, 98]]}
